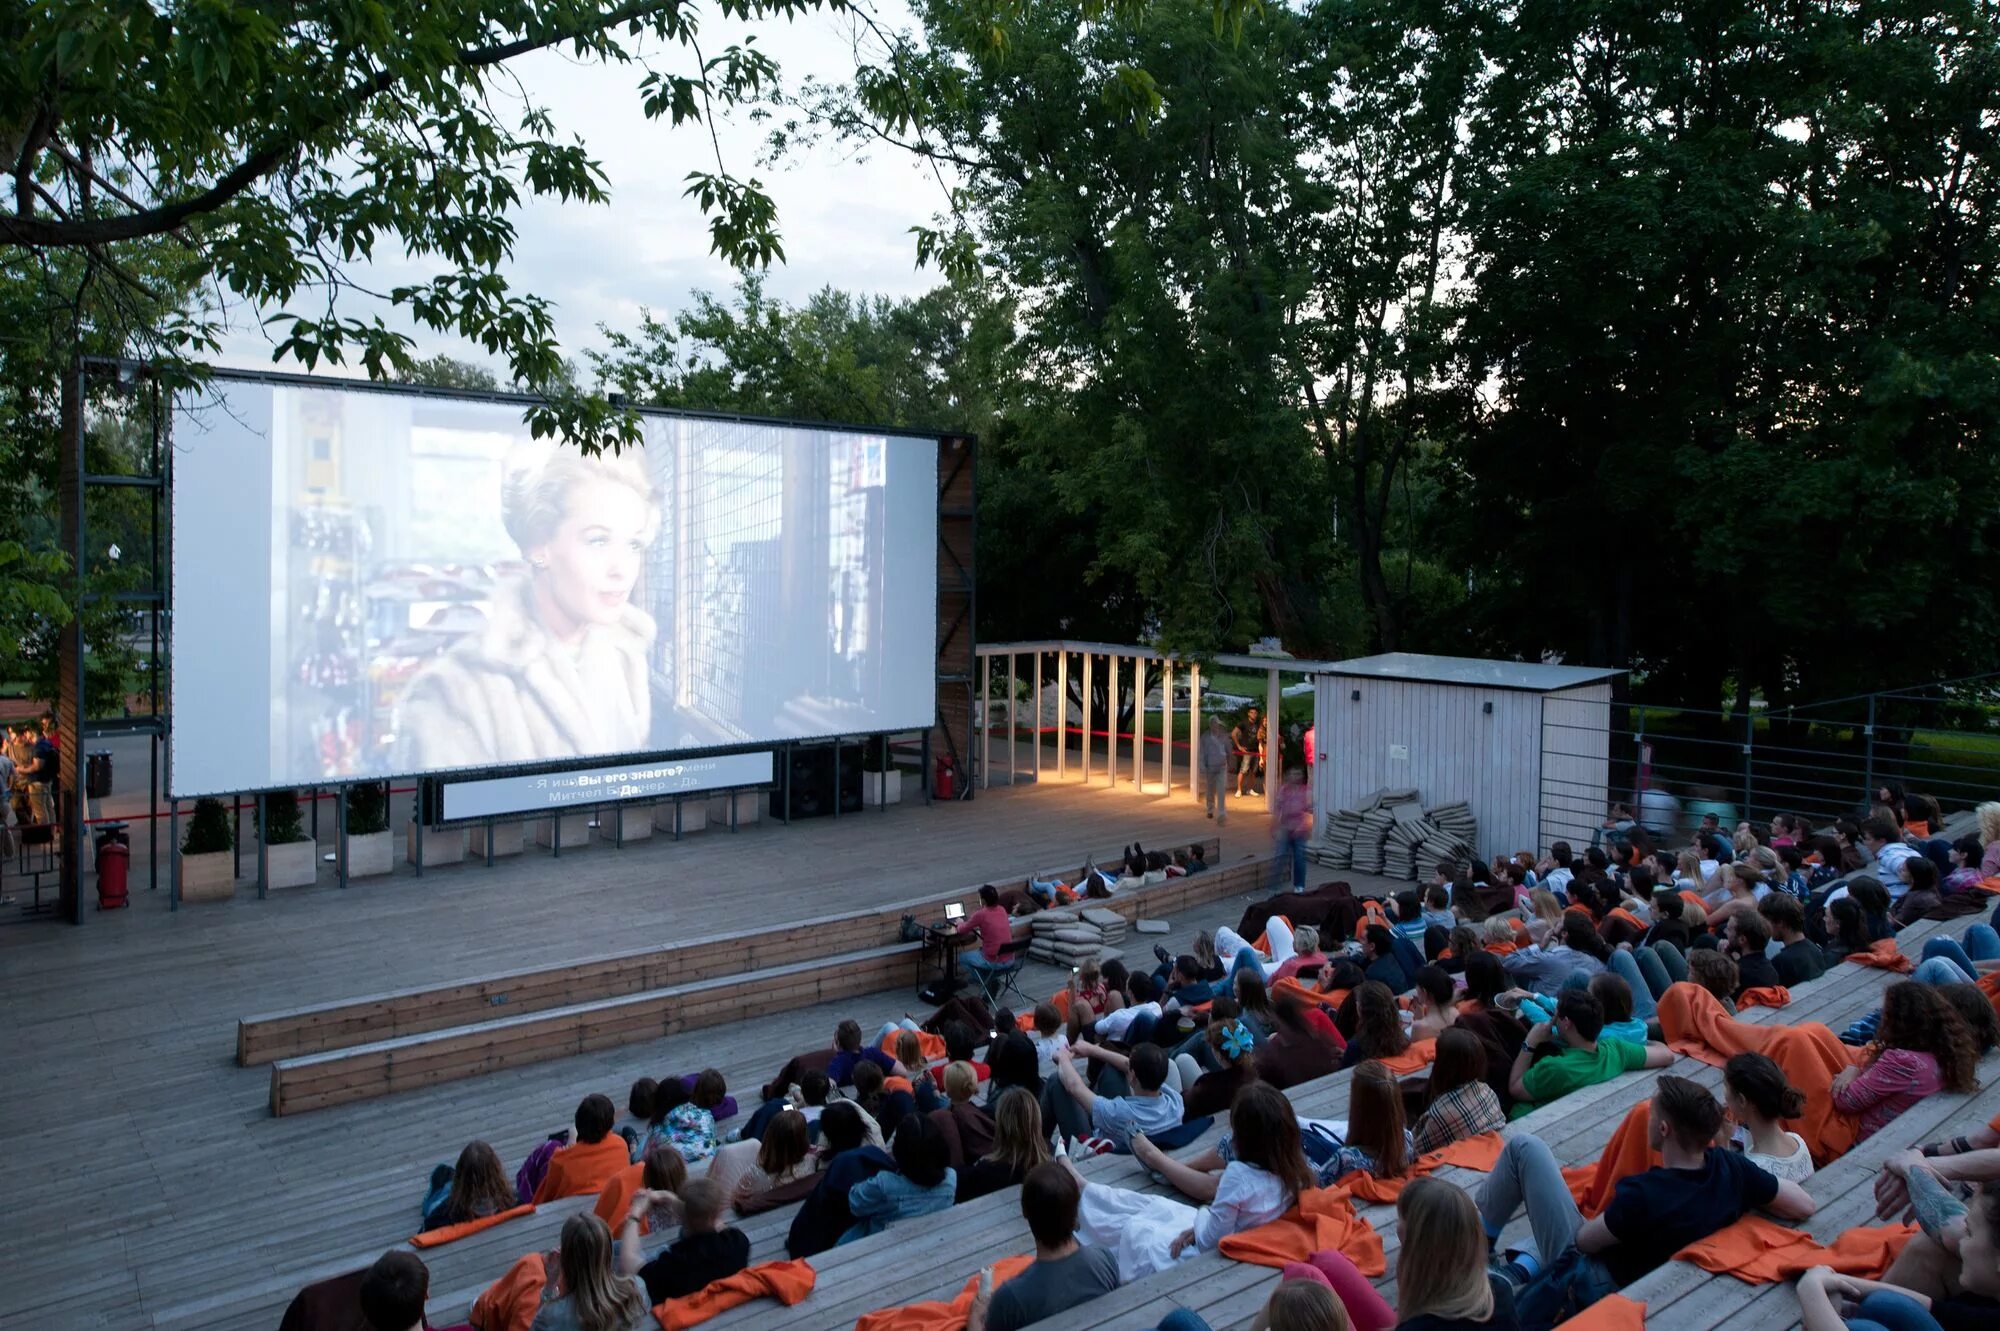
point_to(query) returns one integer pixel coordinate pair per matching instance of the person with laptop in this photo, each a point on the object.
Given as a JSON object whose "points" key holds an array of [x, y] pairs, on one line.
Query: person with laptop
{"points": [[994, 928]]}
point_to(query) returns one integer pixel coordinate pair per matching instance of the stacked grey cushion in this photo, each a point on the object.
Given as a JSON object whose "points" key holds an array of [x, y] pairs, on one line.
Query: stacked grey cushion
{"points": [[1071, 935]]}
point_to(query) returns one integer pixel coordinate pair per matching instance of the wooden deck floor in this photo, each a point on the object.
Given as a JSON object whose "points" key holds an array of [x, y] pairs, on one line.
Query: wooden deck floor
{"points": [[147, 1184]]}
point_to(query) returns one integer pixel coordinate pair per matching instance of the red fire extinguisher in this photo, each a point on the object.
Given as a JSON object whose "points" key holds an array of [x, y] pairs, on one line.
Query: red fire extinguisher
{"points": [[944, 785]]}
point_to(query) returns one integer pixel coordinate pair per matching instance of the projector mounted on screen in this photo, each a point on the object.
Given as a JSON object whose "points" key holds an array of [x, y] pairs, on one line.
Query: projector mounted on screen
{"points": [[373, 583]]}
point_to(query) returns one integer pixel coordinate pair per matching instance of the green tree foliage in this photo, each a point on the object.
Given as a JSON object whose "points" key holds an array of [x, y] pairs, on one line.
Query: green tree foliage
{"points": [[1734, 306]]}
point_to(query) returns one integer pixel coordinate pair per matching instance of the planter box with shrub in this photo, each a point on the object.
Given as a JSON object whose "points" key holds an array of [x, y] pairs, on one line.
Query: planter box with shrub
{"points": [[291, 858], [208, 864], [371, 851]]}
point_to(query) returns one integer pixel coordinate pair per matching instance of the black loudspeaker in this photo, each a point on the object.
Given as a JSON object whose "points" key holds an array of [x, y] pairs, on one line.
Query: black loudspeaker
{"points": [[809, 792], [812, 792]]}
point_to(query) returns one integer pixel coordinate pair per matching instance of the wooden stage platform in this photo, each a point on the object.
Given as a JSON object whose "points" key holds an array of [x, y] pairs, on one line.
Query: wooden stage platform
{"points": [[147, 1183]]}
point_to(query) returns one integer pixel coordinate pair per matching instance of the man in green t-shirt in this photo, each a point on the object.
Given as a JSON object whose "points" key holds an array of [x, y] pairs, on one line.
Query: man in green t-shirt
{"points": [[1584, 1061]]}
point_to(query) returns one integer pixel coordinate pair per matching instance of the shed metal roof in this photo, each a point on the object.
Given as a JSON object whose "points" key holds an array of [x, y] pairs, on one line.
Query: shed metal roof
{"points": [[1471, 672]]}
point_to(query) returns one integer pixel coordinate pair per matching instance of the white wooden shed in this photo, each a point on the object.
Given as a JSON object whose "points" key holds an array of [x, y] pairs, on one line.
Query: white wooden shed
{"points": [[1527, 745]]}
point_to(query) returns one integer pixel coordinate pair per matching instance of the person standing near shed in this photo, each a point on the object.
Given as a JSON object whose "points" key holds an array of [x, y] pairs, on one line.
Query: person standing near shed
{"points": [[1295, 825], [1213, 756]]}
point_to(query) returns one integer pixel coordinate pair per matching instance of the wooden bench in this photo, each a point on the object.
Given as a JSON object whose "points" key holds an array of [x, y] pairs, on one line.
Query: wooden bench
{"points": [[383, 1067], [315, 1029]]}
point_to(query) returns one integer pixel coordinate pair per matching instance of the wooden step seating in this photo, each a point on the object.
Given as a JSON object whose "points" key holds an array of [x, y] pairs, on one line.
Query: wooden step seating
{"points": [[307, 1030], [425, 1036], [1210, 1283]]}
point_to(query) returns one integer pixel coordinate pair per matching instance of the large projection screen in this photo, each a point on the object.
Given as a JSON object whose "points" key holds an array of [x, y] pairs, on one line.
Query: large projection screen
{"points": [[372, 583]]}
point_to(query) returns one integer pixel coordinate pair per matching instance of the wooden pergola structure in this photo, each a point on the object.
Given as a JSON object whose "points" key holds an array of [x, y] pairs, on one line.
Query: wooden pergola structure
{"points": [[1083, 660]]}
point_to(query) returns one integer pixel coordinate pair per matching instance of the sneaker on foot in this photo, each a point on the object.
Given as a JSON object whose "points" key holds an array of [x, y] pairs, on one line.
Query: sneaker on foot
{"points": [[1166, 959], [1089, 1146]]}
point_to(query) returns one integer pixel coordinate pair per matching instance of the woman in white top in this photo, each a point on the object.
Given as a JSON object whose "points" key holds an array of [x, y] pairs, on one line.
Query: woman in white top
{"points": [[1758, 1097], [1265, 1176]]}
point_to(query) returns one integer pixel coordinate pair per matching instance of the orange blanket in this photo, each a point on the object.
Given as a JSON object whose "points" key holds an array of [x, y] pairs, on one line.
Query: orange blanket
{"points": [[1620, 913], [1263, 943], [434, 1238], [1473, 1153], [1323, 1218], [616, 1199], [1768, 995], [1760, 1251], [580, 1168], [1990, 886], [1809, 1054], [787, 1282], [1613, 1312], [1305, 993], [1989, 984], [1420, 1055], [936, 1316], [1628, 1152], [511, 1302], [1882, 953], [932, 1045], [1696, 900]]}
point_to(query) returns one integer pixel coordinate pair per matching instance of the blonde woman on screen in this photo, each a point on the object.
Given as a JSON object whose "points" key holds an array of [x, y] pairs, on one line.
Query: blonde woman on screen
{"points": [[560, 669]]}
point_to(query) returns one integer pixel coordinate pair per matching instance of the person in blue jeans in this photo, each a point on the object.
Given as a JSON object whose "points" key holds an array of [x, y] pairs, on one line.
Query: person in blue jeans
{"points": [[1652, 1215], [1872, 1305], [1180, 1319], [1982, 944]]}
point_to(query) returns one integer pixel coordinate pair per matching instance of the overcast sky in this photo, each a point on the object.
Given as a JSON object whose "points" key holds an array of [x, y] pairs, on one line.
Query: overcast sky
{"points": [[844, 219]]}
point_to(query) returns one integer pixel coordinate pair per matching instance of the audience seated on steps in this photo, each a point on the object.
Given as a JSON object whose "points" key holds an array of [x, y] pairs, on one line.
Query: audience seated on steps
{"points": [[582, 1157], [750, 1170], [1946, 1279], [584, 1292], [475, 1188], [967, 1128], [1699, 1189], [1923, 1046], [1758, 1097], [708, 1248], [846, 1159], [1136, 1096], [809, 1096], [1064, 1273], [1458, 1102], [921, 1183], [1542, 967], [1011, 1062], [1798, 959], [638, 1113], [1231, 1046], [1304, 1047], [848, 1051], [1019, 1144], [1265, 1175], [1582, 1059], [388, 1295], [1377, 1025]]}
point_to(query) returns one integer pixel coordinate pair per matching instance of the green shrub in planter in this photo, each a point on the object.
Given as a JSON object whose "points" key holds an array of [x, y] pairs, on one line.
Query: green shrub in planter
{"points": [[367, 809], [283, 823], [208, 829]]}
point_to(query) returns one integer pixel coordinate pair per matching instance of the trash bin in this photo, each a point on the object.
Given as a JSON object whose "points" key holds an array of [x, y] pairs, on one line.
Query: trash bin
{"points": [[114, 862], [97, 774]]}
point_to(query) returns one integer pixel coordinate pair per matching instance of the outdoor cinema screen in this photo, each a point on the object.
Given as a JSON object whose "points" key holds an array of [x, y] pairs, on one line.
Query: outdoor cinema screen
{"points": [[373, 583]]}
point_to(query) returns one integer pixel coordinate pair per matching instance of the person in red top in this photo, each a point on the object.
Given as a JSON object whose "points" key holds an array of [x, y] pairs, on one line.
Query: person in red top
{"points": [[594, 1154], [994, 927]]}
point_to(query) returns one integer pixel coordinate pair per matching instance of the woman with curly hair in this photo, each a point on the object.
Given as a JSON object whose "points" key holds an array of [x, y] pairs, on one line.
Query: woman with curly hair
{"points": [[1922, 1047], [1377, 1022]]}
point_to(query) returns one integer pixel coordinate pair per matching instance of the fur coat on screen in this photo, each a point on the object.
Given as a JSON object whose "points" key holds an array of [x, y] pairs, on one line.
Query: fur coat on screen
{"points": [[510, 693]]}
